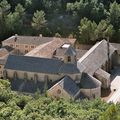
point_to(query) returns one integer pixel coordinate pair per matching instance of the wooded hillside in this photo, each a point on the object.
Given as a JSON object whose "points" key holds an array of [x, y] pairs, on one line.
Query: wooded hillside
{"points": [[87, 20], [18, 106]]}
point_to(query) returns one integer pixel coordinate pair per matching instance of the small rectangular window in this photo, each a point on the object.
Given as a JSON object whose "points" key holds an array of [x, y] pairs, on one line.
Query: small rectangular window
{"points": [[26, 51], [17, 45], [26, 46], [11, 45], [32, 46], [69, 59]]}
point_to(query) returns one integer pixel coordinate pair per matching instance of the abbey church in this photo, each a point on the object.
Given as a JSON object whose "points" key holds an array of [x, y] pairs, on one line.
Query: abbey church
{"points": [[57, 66]]}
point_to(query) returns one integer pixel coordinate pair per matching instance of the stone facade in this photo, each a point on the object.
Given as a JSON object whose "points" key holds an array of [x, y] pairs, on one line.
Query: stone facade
{"points": [[20, 49], [95, 64], [58, 92], [103, 77], [91, 93], [40, 76], [1, 70]]}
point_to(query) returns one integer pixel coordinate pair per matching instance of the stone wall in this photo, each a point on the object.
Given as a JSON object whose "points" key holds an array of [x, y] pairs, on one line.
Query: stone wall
{"points": [[58, 92], [41, 76], [82, 46], [1, 70], [104, 77], [91, 93], [20, 48]]}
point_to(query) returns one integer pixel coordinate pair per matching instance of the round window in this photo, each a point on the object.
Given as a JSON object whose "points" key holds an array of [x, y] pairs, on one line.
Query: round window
{"points": [[58, 91]]}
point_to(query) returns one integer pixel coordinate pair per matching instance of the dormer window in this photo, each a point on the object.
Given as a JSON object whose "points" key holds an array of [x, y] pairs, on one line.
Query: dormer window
{"points": [[66, 46]]}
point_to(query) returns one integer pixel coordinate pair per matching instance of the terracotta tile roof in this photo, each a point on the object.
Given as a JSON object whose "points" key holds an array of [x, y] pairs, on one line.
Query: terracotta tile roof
{"points": [[5, 50], [34, 40], [46, 50], [61, 51]]}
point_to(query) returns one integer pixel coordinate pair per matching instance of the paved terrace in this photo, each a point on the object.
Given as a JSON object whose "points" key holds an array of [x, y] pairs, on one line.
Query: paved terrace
{"points": [[114, 95]]}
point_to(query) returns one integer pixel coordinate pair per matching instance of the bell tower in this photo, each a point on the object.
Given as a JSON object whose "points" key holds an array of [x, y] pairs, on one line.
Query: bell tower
{"points": [[70, 55]]}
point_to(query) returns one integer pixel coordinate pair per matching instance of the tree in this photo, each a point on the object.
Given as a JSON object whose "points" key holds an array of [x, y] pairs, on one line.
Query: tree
{"points": [[14, 21], [87, 30], [19, 9], [91, 9], [38, 20], [104, 30], [110, 114], [4, 11], [114, 15], [4, 7], [90, 31]]}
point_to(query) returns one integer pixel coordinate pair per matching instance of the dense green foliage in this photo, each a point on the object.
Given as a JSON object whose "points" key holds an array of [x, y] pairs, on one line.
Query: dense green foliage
{"points": [[62, 17], [18, 106]]}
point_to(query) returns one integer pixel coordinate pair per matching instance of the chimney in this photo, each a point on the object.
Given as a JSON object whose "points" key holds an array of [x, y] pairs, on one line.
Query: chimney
{"points": [[16, 37], [40, 35]]}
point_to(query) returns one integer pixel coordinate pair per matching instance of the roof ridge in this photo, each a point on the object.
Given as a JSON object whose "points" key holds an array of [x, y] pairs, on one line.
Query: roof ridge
{"points": [[90, 51]]}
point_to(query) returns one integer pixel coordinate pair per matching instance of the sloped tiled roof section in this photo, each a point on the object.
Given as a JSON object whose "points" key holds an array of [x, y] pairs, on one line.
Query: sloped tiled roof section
{"points": [[46, 50], [61, 51], [34, 40], [89, 82], [95, 57], [70, 51], [116, 45], [5, 50], [68, 85], [39, 65]]}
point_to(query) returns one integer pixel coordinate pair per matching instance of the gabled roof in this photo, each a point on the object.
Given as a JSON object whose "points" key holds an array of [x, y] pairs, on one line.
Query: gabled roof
{"points": [[5, 50], [39, 65], [89, 82], [8, 48], [95, 57], [60, 52], [46, 50], [102, 73], [29, 86], [68, 85], [116, 45], [70, 51], [34, 40]]}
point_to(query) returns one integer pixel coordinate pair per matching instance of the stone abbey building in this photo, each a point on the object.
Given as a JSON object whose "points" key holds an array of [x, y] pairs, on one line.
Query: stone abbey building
{"points": [[57, 66]]}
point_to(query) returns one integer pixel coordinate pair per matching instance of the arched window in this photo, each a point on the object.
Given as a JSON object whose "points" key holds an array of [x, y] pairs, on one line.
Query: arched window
{"points": [[93, 95], [15, 75], [69, 59], [5, 75], [26, 51], [35, 78], [25, 76], [17, 51]]}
